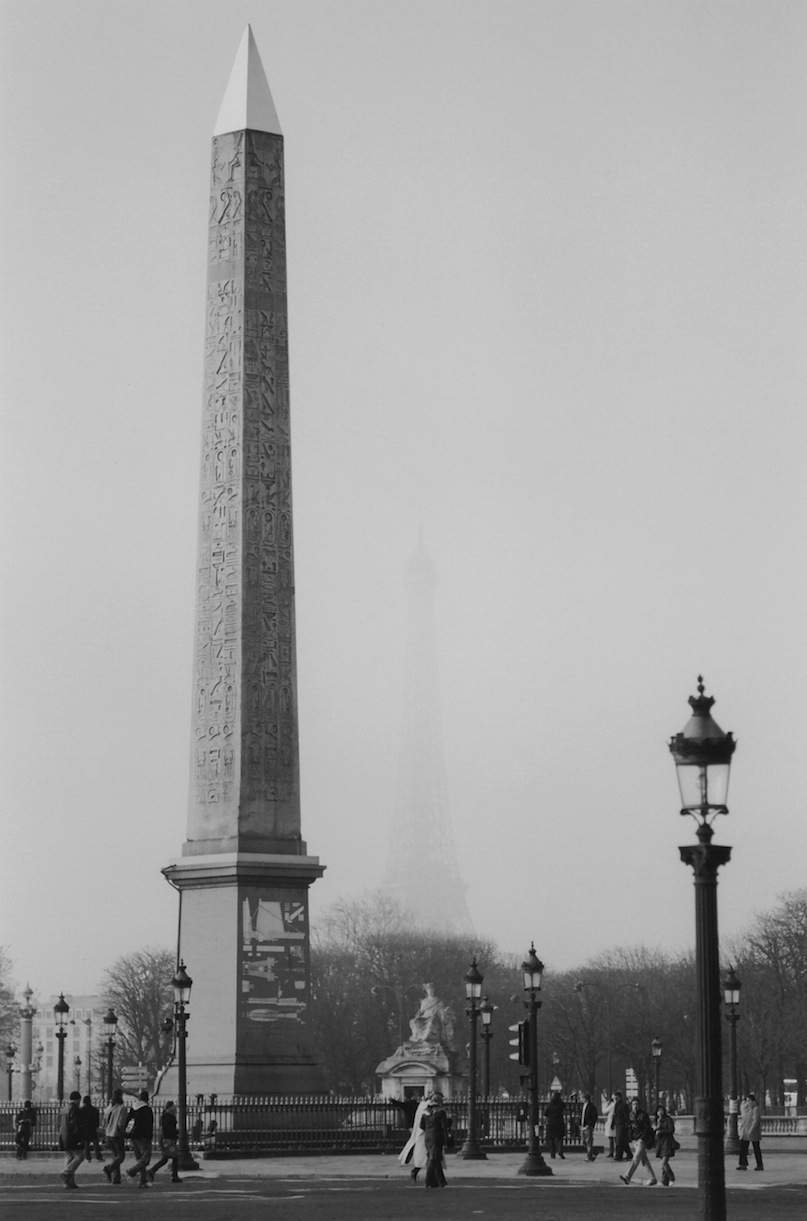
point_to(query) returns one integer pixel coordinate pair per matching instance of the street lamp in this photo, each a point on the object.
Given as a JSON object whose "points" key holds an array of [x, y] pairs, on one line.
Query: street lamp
{"points": [[77, 1071], [655, 1047], [731, 995], [60, 1012], [182, 984], [110, 1025], [473, 993], [702, 754], [27, 1012], [532, 970], [11, 1052]]}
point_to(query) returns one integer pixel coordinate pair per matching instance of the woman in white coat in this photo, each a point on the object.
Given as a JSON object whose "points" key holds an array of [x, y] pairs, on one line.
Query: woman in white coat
{"points": [[413, 1153], [608, 1115]]}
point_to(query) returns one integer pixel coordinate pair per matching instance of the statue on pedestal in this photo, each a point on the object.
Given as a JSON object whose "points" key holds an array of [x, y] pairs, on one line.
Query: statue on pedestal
{"points": [[433, 1022]]}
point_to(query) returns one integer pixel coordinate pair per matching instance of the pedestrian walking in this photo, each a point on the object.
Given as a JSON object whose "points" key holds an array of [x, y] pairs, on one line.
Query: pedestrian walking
{"points": [[641, 1134], [24, 1124], [169, 1146], [140, 1130], [436, 1126], [621, 1127], [115, 1120], [608, 1115], [554, 1119], [750, 1132], [588, 1118], [71, 1138], [91, 1118], [665, 1144], [413, 1153]]}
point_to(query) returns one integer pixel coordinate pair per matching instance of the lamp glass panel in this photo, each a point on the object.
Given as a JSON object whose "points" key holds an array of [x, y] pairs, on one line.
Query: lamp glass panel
{"points": [[703, 784]]}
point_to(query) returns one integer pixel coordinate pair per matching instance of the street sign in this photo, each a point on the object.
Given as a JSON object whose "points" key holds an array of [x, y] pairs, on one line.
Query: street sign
{"points": [[134, 1076]]}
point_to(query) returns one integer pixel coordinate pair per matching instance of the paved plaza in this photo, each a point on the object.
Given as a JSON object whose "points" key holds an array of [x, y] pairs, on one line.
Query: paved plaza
{"points": [[375, 1188]]}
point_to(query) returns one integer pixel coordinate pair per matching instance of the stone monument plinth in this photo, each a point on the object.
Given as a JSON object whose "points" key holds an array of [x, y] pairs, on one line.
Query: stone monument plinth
{"points": [[427, 1060]]}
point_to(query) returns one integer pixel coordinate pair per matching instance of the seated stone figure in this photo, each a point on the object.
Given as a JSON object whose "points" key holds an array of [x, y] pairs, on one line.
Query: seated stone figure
{"points": [[434, 1021]]}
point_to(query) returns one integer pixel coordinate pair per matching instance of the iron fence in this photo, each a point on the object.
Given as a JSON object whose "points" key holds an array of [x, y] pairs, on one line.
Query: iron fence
{"points": [[220, 1126]]}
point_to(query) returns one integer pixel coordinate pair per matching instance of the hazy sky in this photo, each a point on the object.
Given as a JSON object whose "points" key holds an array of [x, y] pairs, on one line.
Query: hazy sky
{"points": [[548, 297]]}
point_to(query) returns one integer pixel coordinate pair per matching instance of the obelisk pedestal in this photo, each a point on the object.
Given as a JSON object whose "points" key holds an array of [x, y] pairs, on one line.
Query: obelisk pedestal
{"points": [[244, 872]]}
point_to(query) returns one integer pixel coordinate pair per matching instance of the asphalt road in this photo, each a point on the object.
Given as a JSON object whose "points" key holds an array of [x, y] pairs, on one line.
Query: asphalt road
{"points": [[376, 1188], [238, 1199]]}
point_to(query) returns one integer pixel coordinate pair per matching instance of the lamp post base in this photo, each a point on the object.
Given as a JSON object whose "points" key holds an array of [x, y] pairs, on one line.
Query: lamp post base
{"points": [[471, 1151], [731, 1144], [535, 1166], [187, 1160]]}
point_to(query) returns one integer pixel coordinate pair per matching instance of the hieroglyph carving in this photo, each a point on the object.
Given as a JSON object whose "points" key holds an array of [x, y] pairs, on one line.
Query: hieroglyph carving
{"points": [[246, 753]]}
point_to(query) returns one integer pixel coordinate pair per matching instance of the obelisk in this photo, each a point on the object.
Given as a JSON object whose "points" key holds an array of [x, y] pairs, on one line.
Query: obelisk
{"points": [[244, 873]]}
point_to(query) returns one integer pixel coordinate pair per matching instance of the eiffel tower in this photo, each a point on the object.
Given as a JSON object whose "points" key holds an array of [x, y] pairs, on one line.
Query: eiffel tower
{"points": [[422, 872]]}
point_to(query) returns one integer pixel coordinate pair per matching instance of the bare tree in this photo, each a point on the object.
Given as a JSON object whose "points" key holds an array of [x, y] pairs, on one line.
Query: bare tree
{"points": [[9, 1011], [138, 986]]}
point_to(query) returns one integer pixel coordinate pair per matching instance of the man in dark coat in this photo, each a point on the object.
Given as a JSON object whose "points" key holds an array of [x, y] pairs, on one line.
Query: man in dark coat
{"points": [[621, 1127], [71, 1138], [588, 1118], [91, 1117], [140, 1130]]}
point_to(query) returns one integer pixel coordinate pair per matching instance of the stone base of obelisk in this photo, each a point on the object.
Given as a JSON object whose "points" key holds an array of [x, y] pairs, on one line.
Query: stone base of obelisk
{"points": [[244, 938]]}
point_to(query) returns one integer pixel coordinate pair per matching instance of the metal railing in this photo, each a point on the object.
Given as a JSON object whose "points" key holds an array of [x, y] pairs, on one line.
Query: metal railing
{"points": [[220, 1126]]}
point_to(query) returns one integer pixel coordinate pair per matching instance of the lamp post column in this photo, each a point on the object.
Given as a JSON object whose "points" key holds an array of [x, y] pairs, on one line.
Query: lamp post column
{"points": [[473, 991], [110, 1025], [655, 1048], [705, 858], [732, 1144], [486, 1013], [702, 754], [60, 1012], [532, 970], [731, 995], [11, 1052], [27, 1012], [182, 991]]}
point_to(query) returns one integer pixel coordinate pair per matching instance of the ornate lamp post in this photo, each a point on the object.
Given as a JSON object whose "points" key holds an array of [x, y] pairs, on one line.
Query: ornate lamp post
{"points": [[110, 1025], [731, 995], [532, 970], [11, 1052], [656, 1047], [27, 1012], [473, 993], [702, 754], [182, 984], [60, 1012]]}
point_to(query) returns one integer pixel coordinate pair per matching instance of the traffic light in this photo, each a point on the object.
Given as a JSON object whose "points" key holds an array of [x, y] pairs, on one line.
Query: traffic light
{"points": [[522, 1043]]}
